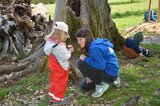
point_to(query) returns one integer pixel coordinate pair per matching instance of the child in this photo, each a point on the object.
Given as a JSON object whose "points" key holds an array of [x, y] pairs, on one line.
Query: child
{"points": [[132, 48], [59, 55]]}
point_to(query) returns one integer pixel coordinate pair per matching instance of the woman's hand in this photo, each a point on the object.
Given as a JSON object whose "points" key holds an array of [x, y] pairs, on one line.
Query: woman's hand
{"points": [[82, 57]]}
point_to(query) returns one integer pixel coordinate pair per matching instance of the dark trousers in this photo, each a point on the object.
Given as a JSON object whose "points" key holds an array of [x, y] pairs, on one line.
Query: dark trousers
{"points": [[97, 76]]}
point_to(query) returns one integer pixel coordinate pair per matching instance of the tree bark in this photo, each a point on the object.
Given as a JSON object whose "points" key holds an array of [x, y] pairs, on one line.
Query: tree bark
{"points": [[93, 14], [149, 10], [159, 11]]}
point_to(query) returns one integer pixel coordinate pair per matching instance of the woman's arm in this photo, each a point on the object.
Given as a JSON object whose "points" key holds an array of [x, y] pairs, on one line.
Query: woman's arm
{"points": [[96, 59]]}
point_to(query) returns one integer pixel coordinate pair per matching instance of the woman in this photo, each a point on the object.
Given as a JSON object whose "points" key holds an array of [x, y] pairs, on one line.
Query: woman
{"points": [[97, 63]]}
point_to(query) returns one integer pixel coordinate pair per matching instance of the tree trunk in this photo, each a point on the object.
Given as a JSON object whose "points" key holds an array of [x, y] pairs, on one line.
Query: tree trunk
{"points": [[149, 10], [93, 14], [159, 11]]}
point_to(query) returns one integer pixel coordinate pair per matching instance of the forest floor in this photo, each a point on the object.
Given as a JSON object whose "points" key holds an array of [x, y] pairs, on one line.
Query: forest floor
{"points": [[139, 77]]}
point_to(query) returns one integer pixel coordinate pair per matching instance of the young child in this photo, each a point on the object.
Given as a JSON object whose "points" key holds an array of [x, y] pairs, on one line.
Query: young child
{"points": [[132, 48], [59, 55]]}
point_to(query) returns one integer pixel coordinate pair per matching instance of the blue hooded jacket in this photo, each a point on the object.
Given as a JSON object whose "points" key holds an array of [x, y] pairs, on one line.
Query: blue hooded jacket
{"points": [[102, 56]]}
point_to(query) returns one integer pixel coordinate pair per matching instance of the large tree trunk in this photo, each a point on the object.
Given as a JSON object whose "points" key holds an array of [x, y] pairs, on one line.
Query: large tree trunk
{"points": [[93, 14]]}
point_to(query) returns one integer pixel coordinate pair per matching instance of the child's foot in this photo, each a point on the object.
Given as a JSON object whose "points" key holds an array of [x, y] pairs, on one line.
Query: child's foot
{"points": [[63, 102]]}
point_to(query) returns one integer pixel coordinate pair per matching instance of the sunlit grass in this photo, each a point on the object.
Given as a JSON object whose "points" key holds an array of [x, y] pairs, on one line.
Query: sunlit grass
{"points": [[126, 14], [139, 79], [154, 47], [51, 9]]}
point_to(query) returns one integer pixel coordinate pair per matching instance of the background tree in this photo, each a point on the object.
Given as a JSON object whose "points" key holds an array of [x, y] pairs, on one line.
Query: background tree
{"points": [[91, 14]]}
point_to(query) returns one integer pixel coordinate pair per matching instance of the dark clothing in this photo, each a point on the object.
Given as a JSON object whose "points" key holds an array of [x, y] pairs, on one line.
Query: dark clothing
{"points": [[130, 43], [97, 76], [132, 49], [87, 86], [130, 53]]}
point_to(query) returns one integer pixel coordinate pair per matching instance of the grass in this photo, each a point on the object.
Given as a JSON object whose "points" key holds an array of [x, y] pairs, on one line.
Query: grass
{"points": [[141, 78], [126, 14], [51, 9], [154, 47], [138, 80], [25, 85]]}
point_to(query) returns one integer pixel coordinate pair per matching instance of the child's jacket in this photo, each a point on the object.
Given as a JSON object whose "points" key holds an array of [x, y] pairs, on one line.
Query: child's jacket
{"points": [[59, 51]]}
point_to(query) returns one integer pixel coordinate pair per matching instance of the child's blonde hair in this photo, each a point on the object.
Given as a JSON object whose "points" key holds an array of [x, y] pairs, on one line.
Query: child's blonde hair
{"points": [[53, 33]]}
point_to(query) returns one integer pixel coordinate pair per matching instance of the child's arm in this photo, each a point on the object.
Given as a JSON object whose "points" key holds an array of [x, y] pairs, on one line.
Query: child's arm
{"points": [[48, 47]]}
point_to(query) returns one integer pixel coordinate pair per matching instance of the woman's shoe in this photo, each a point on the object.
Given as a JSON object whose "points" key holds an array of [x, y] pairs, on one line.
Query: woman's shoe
{"points": [[100, 89], [117, 82]]}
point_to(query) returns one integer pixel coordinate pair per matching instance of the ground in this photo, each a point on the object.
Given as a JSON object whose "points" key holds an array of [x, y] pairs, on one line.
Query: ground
{"points": [[32, 89]]}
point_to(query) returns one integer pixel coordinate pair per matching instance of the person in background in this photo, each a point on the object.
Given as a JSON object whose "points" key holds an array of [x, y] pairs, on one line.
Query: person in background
{"points": [[59, 55], [132, 48], [98, 62]]}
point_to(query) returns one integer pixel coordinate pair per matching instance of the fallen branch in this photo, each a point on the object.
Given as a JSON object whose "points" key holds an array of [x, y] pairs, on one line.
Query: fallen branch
{"points": [[32, 67], [7, 69]]}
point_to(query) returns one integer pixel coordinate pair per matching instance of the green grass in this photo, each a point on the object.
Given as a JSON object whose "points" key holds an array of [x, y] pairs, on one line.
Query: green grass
{"points": [[45, 101], [25, 85], [126, 14], [154, 47], [51, 9], [139, 79]]}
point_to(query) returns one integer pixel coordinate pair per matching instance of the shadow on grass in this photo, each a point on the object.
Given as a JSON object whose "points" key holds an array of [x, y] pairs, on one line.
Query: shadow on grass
{"points": [[127, 14], [123, 3]]}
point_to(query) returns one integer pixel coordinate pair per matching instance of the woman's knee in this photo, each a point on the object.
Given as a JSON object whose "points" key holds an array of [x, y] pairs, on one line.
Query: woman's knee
{"points": [[79, 64], [86, 86]]}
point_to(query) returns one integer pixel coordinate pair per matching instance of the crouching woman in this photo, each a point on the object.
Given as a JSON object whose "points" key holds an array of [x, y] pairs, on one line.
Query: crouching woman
{"points": [[97, 63]]}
